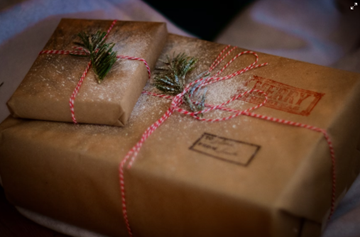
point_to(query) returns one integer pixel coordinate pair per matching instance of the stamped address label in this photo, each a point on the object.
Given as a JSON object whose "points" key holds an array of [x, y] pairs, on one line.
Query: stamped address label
{"points": [[233, 151]]}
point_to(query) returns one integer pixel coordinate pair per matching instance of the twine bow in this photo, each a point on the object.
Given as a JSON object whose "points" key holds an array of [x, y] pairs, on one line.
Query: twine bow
{"points": [[82, 51], [177, 101]]}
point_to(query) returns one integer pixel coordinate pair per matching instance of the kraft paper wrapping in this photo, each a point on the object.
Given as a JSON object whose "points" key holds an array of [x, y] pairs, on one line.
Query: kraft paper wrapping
{"points": [[45, 91], [241, 177]]}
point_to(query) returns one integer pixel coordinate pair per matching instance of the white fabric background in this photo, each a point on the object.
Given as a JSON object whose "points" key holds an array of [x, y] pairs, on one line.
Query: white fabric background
{"points": [[306, 30]]}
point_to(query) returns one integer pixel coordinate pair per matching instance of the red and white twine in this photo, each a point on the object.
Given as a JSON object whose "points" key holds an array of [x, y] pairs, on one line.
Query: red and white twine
{"points": [[82, 51], [177, 101]]}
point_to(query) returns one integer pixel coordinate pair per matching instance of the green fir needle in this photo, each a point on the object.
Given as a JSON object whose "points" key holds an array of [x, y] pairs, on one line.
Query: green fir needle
{"points": [[101, 54], [170, 79]]}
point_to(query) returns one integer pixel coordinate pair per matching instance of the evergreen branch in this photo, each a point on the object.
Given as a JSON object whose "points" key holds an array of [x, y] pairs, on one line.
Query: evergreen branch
{"points": [[101, 54], [171, 79]]}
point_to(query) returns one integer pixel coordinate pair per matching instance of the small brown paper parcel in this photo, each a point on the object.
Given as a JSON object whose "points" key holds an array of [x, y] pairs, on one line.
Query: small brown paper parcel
{"points": [[241, 177], [45, 92]]}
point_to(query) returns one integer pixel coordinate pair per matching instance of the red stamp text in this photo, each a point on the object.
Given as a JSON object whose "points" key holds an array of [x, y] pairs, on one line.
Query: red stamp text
{"points": [[281, 96]]}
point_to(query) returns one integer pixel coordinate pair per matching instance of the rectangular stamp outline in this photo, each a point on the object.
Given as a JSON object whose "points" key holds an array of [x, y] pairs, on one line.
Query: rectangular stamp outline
{"points": [[224, 159], [280, 105]]}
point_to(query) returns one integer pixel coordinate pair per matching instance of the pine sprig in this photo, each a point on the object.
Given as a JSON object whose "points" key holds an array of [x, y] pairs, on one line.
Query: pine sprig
{"points": [[101, 54], [171, 79]]}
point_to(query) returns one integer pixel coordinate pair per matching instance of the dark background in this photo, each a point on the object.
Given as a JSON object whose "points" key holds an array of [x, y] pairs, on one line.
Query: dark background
{"points": [[204, 19]]}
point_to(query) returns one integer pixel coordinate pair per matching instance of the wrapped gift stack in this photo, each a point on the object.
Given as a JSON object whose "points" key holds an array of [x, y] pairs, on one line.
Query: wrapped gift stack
{"points": [[274, 161]]}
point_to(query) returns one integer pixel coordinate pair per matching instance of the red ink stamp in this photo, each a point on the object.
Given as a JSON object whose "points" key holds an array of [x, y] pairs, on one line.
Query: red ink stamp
{"points": [[281, 96]]}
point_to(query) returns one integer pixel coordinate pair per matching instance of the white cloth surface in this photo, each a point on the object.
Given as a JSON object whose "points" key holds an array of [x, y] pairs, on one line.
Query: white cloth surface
{"points": [[307, 30], [346, 219], [57, 225]]}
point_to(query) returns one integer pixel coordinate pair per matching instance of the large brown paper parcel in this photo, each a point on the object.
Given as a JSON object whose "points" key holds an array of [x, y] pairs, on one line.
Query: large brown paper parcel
{"points": [[241, 177], [46, 89]]}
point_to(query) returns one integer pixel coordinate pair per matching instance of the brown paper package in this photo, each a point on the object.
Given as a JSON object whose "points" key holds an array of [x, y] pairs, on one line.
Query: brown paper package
{"points": [[241, 177], [46, 89]]}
